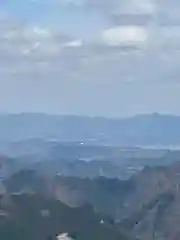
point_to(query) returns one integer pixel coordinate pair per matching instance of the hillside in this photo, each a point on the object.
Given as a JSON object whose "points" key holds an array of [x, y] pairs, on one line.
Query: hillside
{"points": [[147, 205], [32, 216]]}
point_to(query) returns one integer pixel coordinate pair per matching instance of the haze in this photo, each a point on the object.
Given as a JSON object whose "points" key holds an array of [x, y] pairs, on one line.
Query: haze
{"points": [[92, 57]]}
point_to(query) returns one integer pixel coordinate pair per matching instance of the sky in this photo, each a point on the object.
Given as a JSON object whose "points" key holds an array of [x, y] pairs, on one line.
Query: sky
{"points": [[111, 58]]}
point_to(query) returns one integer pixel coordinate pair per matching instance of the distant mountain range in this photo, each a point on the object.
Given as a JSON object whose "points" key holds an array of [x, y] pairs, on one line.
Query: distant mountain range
{"points": [[142, 130]]}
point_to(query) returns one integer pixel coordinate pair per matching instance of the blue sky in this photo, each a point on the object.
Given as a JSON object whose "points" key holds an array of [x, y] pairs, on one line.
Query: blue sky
{"points": [[90, 57], [78, 21]]}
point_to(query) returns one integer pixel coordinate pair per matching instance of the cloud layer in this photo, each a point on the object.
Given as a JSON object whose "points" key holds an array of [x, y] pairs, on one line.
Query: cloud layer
{"points": [[134, 49]]}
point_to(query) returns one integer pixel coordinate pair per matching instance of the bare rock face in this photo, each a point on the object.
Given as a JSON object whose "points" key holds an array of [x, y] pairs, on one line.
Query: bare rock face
{"points": [[153, 209]]}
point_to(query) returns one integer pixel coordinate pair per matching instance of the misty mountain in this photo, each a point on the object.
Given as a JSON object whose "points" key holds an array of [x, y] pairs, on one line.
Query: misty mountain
{"points": [[141, 130], [146, 206], [52, 158]]}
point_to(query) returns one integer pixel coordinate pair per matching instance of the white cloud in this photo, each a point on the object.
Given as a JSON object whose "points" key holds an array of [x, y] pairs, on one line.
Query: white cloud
{"points": [[75, 43], [125, 35]]}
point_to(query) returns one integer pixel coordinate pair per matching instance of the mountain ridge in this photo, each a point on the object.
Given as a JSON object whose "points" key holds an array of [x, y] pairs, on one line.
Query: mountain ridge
{"points": [[141, 130], [146, 206]]}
